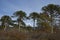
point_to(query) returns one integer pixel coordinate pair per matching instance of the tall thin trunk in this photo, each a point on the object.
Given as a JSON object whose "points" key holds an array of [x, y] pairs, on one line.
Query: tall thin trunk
{"points": [[19, 26], [34, 24], [5, 28], [51, 24], [52, 30], [5, 23]]}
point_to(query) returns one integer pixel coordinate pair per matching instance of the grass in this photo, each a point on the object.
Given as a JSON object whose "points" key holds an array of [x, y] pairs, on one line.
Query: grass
{"points": [[34, 35]]}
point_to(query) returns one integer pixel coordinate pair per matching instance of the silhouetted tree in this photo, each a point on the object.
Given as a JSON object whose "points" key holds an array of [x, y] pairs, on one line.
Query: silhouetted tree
{"points": [[51, 10], [5, 21], [21, 16], [34, 16]]}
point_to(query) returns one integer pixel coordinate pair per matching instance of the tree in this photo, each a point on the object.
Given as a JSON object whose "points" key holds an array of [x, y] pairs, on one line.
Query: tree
{"points": [[34, 16], [20, 17], [43, 19], [51, 10], [5, 21]]}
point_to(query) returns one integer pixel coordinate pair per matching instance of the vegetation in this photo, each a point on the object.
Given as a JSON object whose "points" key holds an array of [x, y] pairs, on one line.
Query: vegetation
{"points": [[44, 25], [21, 16]]}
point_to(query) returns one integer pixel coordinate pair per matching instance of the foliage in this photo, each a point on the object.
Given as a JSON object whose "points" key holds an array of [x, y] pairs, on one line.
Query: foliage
{"points": [[44, 19]]}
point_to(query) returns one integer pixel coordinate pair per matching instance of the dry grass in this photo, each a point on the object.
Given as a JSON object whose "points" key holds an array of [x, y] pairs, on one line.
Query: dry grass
{"points": [[35, 35]]}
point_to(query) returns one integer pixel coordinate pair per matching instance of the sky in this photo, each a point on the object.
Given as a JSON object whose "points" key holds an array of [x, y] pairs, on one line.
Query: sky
{"points": [[8, 7]]}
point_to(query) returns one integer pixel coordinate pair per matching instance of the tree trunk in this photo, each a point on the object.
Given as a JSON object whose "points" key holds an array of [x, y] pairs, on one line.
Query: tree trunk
{"points": [[19, 26], [34, 24], [51, 24], [5, 28], [52, 30]]}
